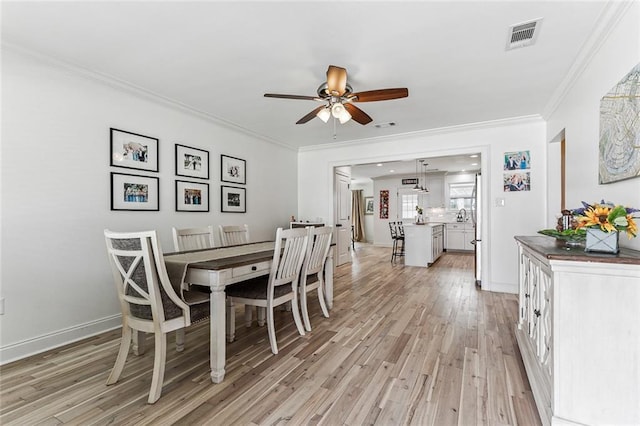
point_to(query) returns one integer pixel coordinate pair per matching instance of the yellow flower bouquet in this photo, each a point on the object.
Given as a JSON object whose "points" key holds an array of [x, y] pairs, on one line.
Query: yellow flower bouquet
{"points": [[607, 217]]}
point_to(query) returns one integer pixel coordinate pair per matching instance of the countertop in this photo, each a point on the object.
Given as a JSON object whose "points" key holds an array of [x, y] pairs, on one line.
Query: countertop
{"points": [[549, 248]]}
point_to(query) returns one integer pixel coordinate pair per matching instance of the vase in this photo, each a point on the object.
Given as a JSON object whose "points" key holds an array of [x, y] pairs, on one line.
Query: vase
{"points": [[600, 241], [419, 219]]}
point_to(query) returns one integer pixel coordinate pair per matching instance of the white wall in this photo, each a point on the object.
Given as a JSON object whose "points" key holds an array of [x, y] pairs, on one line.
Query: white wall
{"points": [[578, 115], [56, 193], [522, 214]]}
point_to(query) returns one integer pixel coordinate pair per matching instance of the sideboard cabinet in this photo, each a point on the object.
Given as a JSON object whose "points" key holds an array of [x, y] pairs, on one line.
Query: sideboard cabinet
{"points": [[578, 332]]}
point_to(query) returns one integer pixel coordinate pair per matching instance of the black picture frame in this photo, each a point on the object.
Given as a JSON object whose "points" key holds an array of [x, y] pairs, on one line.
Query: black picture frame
{"points": [[192, 162], [233, 199], [192, 196], [134, 192], [133, 151], [233, 170]]}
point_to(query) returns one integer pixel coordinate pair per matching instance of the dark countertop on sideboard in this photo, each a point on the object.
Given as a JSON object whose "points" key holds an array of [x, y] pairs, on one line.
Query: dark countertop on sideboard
{"points": [[547, 247]]}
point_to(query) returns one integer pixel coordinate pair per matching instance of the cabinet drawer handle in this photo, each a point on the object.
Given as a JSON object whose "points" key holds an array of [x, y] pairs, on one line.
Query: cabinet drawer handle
{"points": [[254, 268], [526, 295]]}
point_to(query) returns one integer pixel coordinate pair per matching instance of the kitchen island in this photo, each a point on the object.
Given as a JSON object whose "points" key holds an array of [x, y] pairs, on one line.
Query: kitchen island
{"points": [[423, 243]]}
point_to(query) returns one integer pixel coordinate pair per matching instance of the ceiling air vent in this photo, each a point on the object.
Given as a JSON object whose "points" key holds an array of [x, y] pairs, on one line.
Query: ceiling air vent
{"points": [[523, 34]]}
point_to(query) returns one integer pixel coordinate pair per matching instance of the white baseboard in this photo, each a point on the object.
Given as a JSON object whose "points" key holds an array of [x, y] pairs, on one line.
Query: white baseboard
{"points": [[16, 351], [501, 287]]}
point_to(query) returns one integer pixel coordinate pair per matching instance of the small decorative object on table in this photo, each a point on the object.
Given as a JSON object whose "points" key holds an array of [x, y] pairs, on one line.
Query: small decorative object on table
{"points": [[567, 233], [419, 217], [603, 223]]}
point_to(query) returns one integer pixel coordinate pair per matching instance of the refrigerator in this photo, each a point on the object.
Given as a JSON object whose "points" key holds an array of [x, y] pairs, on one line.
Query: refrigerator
{"points": [[476, 217]]}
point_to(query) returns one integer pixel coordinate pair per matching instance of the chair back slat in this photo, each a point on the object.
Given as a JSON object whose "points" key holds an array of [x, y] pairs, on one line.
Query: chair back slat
{"points": [[233, 235], [317, 249], [393, 230], [193, 238], [286, 267]]}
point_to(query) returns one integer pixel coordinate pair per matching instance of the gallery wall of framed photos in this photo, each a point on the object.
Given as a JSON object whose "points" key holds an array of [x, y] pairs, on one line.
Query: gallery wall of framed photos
{"points": [[141, 192]]}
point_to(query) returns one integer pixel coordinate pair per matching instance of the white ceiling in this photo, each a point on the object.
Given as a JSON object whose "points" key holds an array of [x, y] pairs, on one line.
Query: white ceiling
{"points": [[219, 58], [469, 163]]}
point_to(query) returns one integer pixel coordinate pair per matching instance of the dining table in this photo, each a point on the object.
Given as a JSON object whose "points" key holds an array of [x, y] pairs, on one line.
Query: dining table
{"points": [[217, 268]]}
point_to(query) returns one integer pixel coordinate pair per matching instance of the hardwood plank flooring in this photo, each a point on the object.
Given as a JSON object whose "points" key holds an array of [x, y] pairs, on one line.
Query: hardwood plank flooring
{"points": [[403, 346]]}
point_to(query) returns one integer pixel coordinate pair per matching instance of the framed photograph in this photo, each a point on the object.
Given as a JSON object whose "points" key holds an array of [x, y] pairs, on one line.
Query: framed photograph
{"points": [[233, 200], [192, 196], [368, 205], [519, 181], [134, 193], [517, 160], [192, 162], [133, 151], [233, 170]]}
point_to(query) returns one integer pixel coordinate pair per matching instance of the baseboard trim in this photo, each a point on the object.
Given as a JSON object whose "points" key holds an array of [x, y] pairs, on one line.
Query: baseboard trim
{"points": [[36, 345], [502, 287]]}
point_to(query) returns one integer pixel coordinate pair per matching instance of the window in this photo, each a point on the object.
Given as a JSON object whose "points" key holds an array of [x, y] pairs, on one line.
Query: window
{"points": [[460, 196], [408, 205]]}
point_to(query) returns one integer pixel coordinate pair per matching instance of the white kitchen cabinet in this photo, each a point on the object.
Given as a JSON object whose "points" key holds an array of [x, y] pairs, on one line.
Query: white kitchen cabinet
{"points": [[423, 244], [459, 236], [577, 330]]}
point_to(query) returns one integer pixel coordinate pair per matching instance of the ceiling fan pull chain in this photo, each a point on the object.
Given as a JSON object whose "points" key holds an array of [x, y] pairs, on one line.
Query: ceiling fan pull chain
{"points": [[334, 129]]}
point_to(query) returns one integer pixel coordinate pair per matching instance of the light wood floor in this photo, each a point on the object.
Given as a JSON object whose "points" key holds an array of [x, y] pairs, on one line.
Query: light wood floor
{"points": [[403, 345]]}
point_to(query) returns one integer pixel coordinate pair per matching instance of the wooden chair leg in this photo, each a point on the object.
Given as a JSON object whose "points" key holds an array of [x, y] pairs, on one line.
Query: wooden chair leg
{"points": [[296, 314], [323, 305], [305, 311], [248, 315], [158, 367], [230, 320], [138, 342], [125, 342], [180, 339], [271, 330], [261, 313]]}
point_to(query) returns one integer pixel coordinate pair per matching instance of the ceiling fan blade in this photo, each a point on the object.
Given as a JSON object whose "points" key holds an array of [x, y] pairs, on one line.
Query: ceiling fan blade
{"points": [[336, 80], [302, 97], [357, 114], [310, 116], [380, 95]]}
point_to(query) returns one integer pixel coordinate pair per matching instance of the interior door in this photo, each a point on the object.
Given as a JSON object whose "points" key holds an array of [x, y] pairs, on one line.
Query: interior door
{"points": [[342, 218]]}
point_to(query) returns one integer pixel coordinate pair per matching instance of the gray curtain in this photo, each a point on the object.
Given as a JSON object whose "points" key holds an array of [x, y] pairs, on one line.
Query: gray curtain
{"points": [[357, 214]]}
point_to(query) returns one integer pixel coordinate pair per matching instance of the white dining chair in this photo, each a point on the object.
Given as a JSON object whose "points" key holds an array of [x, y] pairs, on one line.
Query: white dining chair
{"points": [[148, 300], [281, 285], [233, 235], [312, 275], [193, 238]]}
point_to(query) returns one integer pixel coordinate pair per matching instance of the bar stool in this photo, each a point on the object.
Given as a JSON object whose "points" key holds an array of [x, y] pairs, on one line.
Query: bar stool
{"points": [[397, 236]]}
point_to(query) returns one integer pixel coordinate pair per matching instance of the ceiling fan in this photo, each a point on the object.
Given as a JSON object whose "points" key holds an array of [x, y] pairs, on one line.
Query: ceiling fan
{"points": [[338, 98]]}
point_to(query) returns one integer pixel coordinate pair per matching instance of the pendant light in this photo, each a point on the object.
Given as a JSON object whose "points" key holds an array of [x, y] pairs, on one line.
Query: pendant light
{"points": [[424, 169], [417, 187]]}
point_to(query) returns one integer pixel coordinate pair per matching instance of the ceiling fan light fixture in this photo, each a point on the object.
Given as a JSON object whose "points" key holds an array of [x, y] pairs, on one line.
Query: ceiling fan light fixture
{"points": [[324, 114], [340, 112]]}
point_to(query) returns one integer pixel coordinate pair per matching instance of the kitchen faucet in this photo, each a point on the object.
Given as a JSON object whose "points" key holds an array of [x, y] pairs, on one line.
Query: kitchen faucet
{"points": [[462, 215]]}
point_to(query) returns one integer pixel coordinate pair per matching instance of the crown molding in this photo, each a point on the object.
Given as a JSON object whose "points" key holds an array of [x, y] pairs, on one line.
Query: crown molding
{"points": [[525, 119], [140, 92], [609, 18]]}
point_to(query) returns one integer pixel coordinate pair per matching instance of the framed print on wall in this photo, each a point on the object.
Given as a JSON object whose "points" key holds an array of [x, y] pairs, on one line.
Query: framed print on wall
{"points": [[192, 162], [192, 196], [368, 205], [233, 170], [384, 204], [134, 193], [133, 151], [233, 200]]}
